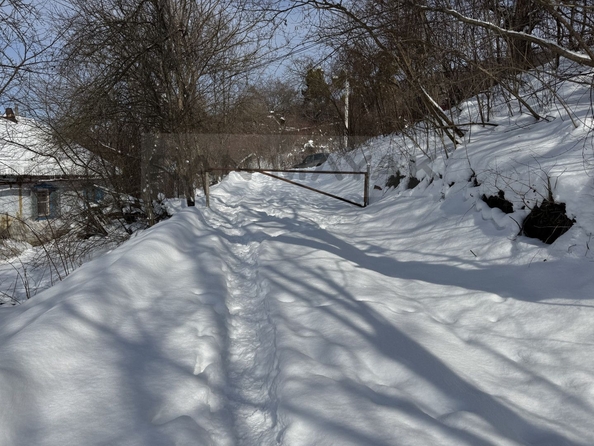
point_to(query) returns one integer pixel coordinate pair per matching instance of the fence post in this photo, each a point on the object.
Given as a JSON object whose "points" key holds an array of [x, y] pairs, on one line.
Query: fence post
{"points": [[206, 180], [366, 191]]}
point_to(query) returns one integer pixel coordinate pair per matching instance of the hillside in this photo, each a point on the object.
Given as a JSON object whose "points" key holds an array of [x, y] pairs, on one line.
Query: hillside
{"points": [[280, 316]]}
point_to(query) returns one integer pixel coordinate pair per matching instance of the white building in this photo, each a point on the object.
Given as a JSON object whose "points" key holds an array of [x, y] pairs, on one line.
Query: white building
{"points": [[36, 175]]}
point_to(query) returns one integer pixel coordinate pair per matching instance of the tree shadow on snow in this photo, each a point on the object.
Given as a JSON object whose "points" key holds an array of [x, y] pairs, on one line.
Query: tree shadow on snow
{"points": [[397, 346]]}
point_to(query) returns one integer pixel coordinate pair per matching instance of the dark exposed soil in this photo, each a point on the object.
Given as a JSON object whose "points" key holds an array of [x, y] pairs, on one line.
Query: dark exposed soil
{"points": [[498, 201], [547, 222], [412, 183], [394, 180]]}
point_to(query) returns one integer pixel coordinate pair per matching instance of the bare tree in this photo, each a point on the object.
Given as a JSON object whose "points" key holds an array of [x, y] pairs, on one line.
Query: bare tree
{"points": [[411, 60], [401, 39], [173, 67], [559, 30], [25, 47]]}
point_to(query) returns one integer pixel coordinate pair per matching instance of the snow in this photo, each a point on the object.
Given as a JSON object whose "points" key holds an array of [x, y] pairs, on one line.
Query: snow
{"points": [[280, 316]]}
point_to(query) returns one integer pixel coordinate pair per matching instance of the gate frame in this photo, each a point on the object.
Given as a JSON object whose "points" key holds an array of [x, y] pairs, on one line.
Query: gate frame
{"points": [[323, 172]]}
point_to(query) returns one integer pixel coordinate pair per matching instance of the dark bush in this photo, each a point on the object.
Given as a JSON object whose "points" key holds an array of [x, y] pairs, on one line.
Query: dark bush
{"points": [[498, 201], [547, 222]]}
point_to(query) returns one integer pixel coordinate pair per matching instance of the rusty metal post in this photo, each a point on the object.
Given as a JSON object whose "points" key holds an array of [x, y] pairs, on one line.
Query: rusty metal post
{"points": [[366, 191], [206, 179]]}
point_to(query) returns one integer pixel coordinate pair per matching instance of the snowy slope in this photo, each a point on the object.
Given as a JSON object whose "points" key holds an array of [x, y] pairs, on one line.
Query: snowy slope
{"points": [[280, 316]]}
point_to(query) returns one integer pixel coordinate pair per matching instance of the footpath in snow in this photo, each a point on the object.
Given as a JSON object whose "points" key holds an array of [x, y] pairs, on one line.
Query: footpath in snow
{"points": [[284, 317]]}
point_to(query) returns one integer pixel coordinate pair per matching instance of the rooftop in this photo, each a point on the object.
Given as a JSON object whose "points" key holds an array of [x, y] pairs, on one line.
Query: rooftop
{"points": [[28, 148]]}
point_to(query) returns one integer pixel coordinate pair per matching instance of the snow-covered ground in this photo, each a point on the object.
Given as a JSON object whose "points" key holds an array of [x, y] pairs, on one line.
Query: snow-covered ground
{"points": [[280, 316]]}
